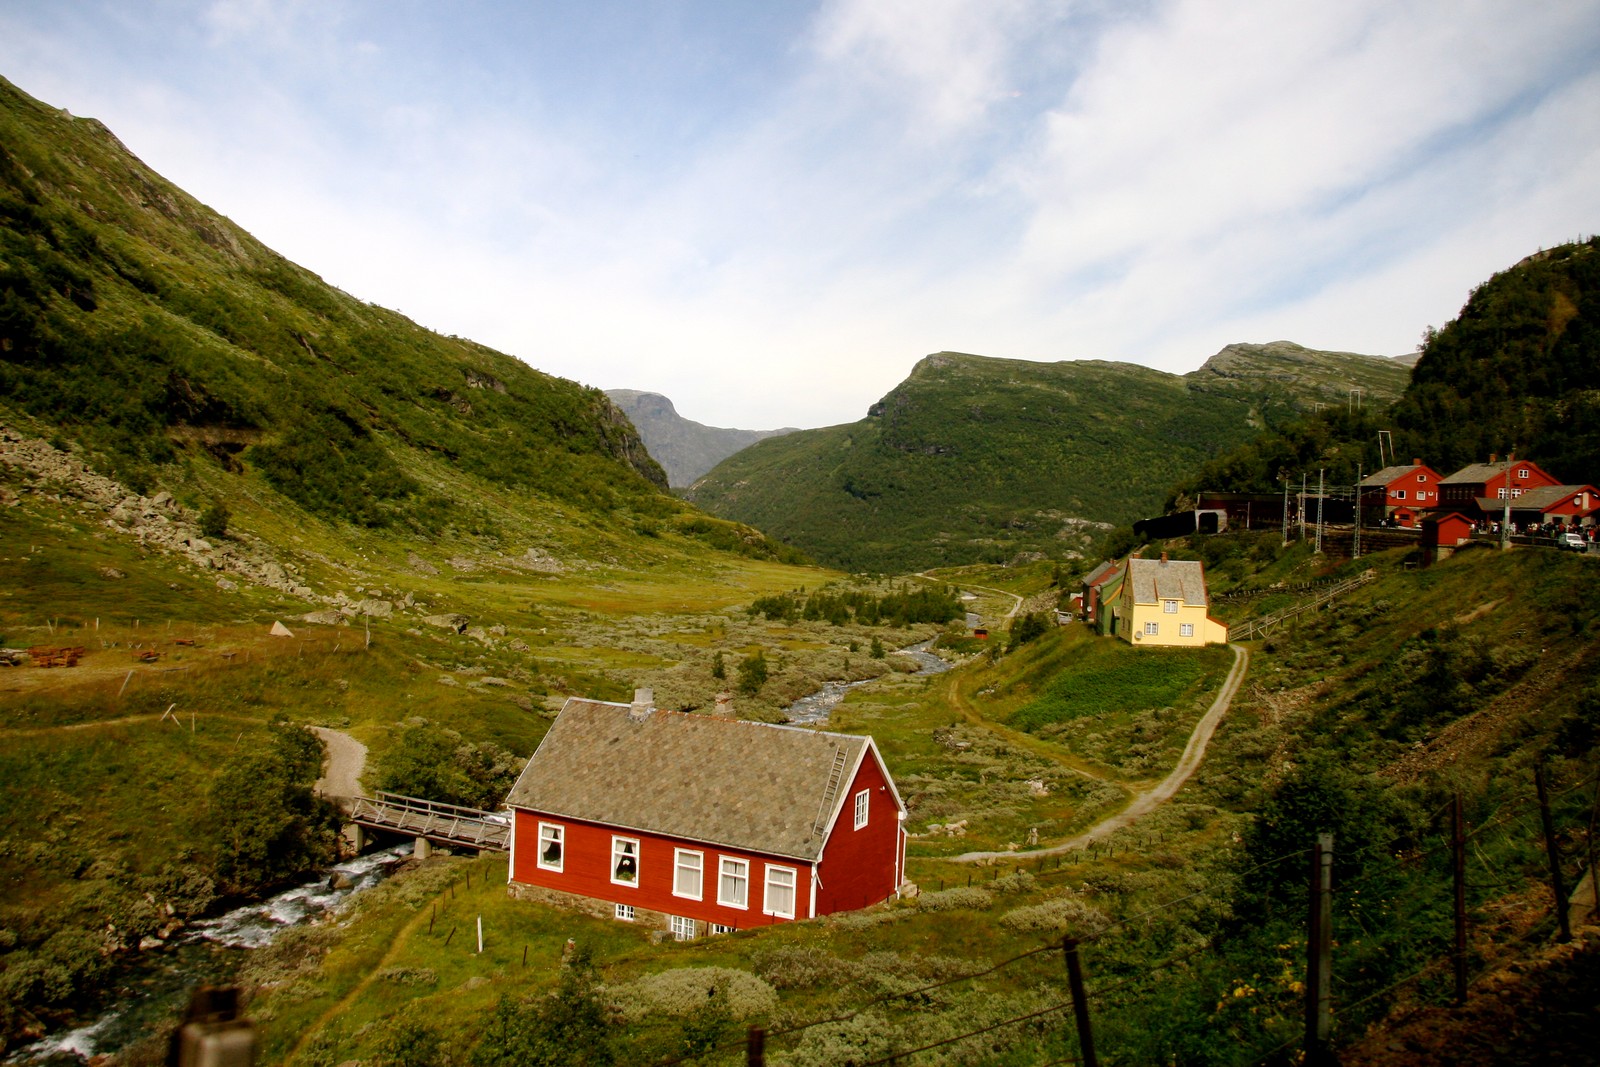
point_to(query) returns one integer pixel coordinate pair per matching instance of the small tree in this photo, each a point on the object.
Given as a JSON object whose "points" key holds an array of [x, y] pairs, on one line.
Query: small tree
{"points": [[718, 671], [214, 521], [877, 649], [753, 673]]}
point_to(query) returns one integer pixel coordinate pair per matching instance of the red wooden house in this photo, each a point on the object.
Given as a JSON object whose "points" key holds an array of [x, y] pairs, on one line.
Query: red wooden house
{"points": [[1398, 493], [1483, 487], [698, 824]]}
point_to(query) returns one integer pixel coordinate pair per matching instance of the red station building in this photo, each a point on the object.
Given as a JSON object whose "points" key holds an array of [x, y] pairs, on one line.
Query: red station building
{"points": [[699, 824]]}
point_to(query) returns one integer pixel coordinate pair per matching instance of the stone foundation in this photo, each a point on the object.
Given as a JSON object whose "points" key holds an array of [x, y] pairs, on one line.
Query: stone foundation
{"points": [[648, 918]]}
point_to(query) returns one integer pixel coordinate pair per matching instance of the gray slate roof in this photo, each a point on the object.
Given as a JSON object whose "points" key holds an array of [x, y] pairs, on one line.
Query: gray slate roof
{"points": [[1475, 474], [1541, 497], [1389, 474], [1176, 579], [744, 785]]}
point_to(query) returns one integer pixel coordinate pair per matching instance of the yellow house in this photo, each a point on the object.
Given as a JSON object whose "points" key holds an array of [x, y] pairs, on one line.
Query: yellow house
{"points": [[1164, 603]]}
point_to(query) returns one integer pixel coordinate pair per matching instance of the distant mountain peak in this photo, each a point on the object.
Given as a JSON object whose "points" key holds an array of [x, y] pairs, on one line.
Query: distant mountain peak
{"points": [[685, 449]]}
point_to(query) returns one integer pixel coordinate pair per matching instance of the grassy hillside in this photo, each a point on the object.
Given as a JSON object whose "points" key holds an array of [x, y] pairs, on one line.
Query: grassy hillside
{"points": [[1190, 917], [1518, 369], [159, 336], [976, 459]]}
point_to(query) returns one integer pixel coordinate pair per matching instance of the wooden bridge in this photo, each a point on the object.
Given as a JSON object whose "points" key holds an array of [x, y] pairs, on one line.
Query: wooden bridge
{"points": [[429, 820]]}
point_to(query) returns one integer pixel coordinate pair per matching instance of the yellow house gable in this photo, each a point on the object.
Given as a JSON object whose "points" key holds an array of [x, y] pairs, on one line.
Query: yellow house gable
{"points": [[1164, 603]]}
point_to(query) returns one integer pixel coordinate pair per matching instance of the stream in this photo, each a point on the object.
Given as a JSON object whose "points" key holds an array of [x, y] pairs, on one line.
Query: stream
{"points": [[155, 987], [814, 709]]}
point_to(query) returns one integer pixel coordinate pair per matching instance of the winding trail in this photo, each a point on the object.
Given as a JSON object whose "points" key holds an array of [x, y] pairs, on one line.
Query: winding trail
{"points": [[341, 770], [1144, 803]]}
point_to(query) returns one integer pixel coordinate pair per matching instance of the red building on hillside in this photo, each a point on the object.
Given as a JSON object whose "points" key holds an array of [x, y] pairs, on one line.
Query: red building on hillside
{"points": [[1491, 482], [698, 824], [1398, 493]]}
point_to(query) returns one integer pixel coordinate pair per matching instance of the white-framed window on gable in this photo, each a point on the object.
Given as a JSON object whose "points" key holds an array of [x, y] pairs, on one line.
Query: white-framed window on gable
{"points": [[683, 929], [1186, 629], [1500, 494], [551, 838], [1399, 494], [1522, 472], [863, 807], [1170, 607], [733, 883], [779, 898], [687, 869], [1422, 477], [1152, 629], [625, 860]]}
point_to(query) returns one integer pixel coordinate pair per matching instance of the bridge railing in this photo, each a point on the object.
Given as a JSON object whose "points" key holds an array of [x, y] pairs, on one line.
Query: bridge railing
{"points": [[432, 819]]}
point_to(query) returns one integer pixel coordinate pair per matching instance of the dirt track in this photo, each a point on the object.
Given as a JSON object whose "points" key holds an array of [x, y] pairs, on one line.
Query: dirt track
{"points": [[347, 758], [1144, 803]]}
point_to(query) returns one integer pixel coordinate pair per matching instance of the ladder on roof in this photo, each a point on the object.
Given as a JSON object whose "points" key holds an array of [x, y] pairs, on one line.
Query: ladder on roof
{"points": [[825, 808]]}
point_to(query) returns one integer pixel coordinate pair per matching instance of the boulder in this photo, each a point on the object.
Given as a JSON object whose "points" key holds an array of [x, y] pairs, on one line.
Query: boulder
{"points": [[453, 621]]}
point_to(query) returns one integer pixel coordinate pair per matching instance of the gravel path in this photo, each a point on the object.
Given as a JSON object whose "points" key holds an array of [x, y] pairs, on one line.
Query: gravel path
{"points": [[1147, 802], [347, 757]]}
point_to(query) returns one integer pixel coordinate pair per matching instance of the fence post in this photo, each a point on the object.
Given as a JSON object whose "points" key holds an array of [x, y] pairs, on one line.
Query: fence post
{"points": [[1458, 852], [1080, 1002], [1553, 850], [755, 1047], [1319, 959]]}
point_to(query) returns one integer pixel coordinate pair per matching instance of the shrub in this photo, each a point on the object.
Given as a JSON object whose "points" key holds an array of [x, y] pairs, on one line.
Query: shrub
{"points": [[1061, 915], [962, 898], [683, 992], [214, 521]]}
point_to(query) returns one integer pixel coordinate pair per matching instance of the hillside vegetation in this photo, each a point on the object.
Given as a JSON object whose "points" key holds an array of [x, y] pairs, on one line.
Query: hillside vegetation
{"points": [[1192, 919], [976, 459], [158, 335], [1518, 370]]}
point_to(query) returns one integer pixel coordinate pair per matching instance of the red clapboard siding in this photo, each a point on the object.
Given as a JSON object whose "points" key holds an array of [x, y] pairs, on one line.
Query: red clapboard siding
{"points": [[587, 872], [859, 867]]}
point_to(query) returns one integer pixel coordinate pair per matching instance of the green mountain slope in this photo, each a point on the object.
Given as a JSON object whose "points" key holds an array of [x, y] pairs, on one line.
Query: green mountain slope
{"points": [[977, 459], [1519, 368], [685, 449], [155, 333]]}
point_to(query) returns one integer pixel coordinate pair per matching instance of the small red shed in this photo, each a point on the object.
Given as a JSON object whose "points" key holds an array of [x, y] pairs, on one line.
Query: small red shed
{"points": [[698, 824], [1443, 533]]}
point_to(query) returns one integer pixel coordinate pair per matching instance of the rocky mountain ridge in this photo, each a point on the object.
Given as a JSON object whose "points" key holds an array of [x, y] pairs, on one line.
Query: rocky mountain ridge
{"points": [[685, 449]]}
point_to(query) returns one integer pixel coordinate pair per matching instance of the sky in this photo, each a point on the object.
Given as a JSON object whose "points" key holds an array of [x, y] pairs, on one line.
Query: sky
{"points": [[769, 210]]}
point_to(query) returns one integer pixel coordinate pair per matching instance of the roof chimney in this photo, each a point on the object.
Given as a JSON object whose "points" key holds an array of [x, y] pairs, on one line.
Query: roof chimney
{"points": [[1494, 457], [725, 706], [1163, 559], [644, 701], [1416, 463]]}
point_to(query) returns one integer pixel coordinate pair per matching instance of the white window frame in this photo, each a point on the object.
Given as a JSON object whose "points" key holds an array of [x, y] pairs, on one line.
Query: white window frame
{"points": [[1186, 629], [1500, 494], [619, 850], [623, 912], [1169, 607], [863, 807], [1522, 472], [1516, 492], [1152, 629], [767, 907], [551, 832], [1422, 477], [721, 928], [1399, 494], [729, 867], [680, 868], [683, 928]]}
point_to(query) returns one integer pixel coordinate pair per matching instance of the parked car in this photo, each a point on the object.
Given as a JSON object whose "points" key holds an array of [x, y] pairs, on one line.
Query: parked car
{"points": [[1573, 541]]}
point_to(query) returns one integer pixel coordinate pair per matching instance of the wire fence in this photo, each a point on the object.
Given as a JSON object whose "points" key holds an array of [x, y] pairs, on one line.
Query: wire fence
{"points": [[1408, 943]]}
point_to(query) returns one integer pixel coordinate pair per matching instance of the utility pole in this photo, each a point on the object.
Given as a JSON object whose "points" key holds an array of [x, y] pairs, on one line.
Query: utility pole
{"points": [[1505, 517], [1286, 511], [1319, 959], [1302, 505], [1355, 539], [1321, 505]]}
